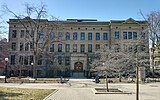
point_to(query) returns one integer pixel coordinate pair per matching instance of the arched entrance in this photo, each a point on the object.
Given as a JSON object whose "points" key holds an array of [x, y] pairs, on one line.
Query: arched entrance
{"points": [[78, 67]]}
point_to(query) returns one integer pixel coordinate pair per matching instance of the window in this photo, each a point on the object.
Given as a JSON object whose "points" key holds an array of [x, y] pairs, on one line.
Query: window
{"points": [[59, 47], [30, 59], [60, 35], [39, 45], [27, 34], [13, 46], [82, 48], [26, 46], [13, 59], [124, 35], [31, 45], [67, 47], [106, 46], [67, 60], [40, 60], [142, 35], [26, 60], [82, 36], [67, 36], [135, 48], [97, 46], [74, 47], [89, 36], [116, 35], [21, 60], [125, 47], [59, 60], [75, 36], [89, 47], [32, 34], [52, 48], [105, 36], [135, 35], [52, 35], [21, 47], [129, 35], [14, 33], [117, 47], [130, 48], [40, 35], [142, 47], [97, 36], [22, 34]]}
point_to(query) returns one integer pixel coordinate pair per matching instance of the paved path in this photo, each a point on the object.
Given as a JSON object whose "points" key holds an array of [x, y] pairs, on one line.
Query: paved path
{"points": [[82, 90], [86, 94]]}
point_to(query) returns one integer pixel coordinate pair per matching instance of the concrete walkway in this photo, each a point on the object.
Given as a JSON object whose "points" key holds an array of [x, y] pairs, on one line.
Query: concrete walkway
{"points": [[86, 94], [82, 90]]}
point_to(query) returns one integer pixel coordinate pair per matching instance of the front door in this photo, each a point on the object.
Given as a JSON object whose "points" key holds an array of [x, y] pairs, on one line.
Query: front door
{"points": [[78, 67]]}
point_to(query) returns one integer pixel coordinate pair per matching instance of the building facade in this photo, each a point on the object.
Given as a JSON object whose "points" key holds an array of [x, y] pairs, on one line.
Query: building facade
{"points": [[70, 45], [4, 53]]}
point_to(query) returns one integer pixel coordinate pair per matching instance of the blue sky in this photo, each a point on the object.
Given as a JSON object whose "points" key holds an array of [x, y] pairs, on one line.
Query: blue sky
{"points": [[97, 9], [102, 10]]}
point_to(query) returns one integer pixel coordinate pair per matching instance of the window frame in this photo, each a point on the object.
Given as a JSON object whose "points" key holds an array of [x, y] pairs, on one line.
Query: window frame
{"points": [[75, 36], [90, 36], [82, 35], [117, 35], [129, 35], [97, 36], [105, 36]]}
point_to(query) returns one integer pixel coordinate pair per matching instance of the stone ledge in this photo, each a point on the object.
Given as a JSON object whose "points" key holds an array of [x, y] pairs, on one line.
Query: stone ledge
{"points": [[111, 91]]}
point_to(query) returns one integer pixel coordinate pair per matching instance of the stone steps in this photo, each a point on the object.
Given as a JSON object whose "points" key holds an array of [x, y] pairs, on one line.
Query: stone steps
{"points": [[78, 75]]}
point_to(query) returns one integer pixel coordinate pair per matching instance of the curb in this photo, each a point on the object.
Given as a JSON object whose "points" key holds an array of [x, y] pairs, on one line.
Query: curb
{"points": [[50, 94], [123, 92]]}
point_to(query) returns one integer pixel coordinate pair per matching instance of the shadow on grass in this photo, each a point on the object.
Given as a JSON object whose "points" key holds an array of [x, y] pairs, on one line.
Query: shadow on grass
{"points": [[5, 95]]}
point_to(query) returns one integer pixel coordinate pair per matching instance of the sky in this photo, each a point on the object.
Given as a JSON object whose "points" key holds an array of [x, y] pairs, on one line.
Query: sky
{"points": [[102, 10], [95, 9]]}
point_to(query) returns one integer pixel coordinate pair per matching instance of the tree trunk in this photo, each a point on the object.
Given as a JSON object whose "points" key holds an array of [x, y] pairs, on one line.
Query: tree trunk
{"points": [[120, 77], [107, 83], [137, 83]]}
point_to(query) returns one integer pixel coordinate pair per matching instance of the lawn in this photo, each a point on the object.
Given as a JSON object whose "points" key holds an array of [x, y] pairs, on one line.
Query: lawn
{"points": [[23, 94]]}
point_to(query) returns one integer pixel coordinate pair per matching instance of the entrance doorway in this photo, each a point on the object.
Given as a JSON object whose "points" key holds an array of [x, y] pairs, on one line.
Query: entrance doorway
{"points": [[78, 67]]}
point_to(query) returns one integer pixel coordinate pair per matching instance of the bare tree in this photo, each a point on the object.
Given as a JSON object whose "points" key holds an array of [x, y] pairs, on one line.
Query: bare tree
{"points": [[153, 19], [37, 30], [117, 62]]}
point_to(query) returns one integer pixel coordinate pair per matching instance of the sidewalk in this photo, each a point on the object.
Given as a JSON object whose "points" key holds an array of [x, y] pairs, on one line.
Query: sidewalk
{"points": [[147, 92], [82, 90]]}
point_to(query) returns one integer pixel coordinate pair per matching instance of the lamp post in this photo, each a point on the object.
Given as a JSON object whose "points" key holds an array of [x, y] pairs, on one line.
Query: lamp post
{"points": [[6, 60], [32, 69]]}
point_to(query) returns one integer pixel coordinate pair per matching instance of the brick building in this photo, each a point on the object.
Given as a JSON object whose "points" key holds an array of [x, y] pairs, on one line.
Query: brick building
{"points": [[70, 44]]}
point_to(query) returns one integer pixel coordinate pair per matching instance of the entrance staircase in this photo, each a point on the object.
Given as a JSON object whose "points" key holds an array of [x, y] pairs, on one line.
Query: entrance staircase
{"points": [[78, 75]]}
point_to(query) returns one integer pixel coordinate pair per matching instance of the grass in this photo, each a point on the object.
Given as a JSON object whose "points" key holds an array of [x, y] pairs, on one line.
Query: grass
{"points": [[23, 94]]}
